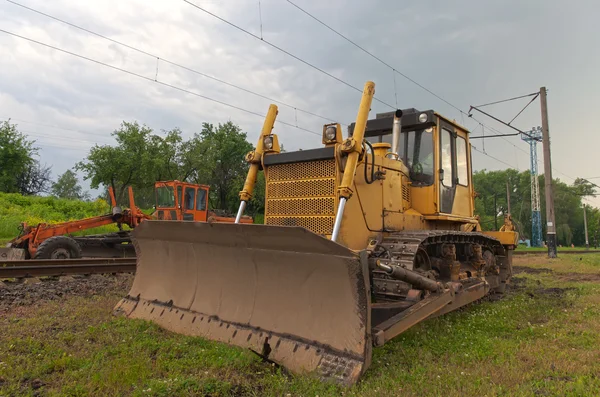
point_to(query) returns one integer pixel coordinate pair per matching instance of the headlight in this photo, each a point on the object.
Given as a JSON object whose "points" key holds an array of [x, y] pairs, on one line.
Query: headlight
{"points": [[268, 142], [422, 117], [330, 133]]}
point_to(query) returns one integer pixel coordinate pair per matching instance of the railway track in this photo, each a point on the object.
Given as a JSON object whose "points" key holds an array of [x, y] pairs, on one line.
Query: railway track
{"points": [[567, 252], [54, 267]]}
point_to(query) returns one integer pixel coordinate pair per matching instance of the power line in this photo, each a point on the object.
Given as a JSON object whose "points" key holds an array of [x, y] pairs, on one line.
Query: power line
{"points": [[249, 91], [409, 78], [53, 126], [374, 56], [535, 94], [495, 158], [60, 138], [283, 51], [158, 58], [154, 81]]}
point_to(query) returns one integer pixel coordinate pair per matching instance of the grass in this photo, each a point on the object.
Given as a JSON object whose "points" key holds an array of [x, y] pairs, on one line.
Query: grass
{"points": [[541, 339], [544, 249]]}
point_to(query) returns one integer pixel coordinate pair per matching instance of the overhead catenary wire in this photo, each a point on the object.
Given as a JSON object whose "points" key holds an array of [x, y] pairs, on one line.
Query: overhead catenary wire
{"points": [[249, 91], [325, 72], [509, 99], [167, 61], [154, 81], [395, 70], [53, 126], [525, 107], [280, 49], [375, 57]]}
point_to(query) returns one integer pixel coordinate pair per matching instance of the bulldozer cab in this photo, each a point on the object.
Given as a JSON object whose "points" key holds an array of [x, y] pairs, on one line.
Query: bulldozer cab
{"points": [[181, 201], [437, 154]]}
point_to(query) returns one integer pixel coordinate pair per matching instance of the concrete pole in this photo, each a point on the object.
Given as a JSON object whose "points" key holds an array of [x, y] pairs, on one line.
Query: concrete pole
{"points": [[587, 242], [495, 213], [548, 186], [507, 197]]}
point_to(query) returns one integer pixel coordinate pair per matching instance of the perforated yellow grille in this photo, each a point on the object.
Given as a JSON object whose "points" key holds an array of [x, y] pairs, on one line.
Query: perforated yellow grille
{"points": [[304, 206], [302, 188], [302, 194], [304, 170], [316, 224]]}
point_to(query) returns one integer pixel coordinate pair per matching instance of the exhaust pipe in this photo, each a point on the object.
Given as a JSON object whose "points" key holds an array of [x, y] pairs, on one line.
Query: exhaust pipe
{"points": [[396, 130]]}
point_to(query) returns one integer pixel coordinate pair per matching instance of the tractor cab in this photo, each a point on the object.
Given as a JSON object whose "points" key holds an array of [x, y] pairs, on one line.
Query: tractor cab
{"points": [[181, 201]]}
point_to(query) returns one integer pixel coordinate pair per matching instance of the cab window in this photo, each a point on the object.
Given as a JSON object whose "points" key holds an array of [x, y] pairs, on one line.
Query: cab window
{"points": [[416, 152], [446, 156], [165, 197], [201, 200], [462, 170], [189, 198], [417, 147]]}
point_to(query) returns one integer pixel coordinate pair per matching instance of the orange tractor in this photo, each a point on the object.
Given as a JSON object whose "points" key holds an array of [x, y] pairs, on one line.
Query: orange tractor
{"points": [[175, 200]]}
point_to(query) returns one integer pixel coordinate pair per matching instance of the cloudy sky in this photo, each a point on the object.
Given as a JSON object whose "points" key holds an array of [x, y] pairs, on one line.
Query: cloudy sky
{"points": [[468, 52]]}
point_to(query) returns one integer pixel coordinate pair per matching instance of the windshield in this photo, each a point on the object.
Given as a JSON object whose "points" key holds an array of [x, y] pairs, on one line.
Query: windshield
{"points": [[417, 147], [416, 152], [165, 197]]}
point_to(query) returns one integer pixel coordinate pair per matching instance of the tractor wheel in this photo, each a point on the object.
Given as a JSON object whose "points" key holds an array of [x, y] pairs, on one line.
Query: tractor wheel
{"points": [[58, 247]]}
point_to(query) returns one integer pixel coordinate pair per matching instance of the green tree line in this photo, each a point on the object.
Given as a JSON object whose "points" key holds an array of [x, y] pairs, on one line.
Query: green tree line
{"points": [[568, 204], [215, 156]]}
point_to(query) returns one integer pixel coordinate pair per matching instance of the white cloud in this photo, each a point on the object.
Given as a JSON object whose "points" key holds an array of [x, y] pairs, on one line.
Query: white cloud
{"points": [[466, 51]]}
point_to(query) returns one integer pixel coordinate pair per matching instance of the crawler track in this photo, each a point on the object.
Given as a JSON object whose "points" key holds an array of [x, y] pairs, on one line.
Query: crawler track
{"points": [[53, 267]]}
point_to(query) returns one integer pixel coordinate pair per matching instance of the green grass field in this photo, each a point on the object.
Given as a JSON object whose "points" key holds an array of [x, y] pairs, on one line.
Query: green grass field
{"points": [[543, 339]]}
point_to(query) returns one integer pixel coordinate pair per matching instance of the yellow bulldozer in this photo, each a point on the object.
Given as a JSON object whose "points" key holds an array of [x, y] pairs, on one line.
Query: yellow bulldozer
{"points": [[363, 238]]}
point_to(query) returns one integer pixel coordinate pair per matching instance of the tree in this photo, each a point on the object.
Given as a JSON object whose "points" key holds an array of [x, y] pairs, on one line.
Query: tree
{"points": [[219, 154], [138, 160], [67, 186], [567, 204], [215, 157], [33, 179], [16, 158]]}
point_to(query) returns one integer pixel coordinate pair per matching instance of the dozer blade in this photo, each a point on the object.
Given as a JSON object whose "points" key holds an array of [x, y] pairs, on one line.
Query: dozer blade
{"points": [[292, 296]]}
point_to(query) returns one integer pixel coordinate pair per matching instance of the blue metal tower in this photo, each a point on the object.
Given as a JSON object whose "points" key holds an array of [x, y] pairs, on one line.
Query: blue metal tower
{"points": [[536, 217]]}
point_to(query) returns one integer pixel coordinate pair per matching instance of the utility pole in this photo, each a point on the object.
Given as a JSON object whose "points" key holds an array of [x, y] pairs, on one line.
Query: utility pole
{"points": [[587, 242], [495, 212], [548, 186], [507, 197]]}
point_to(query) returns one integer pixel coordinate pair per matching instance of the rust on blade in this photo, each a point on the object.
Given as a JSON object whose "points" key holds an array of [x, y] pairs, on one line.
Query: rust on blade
{"points": [[287, 293]]}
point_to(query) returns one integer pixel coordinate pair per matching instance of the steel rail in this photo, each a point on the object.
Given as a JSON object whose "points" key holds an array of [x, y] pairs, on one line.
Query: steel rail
{"points": [[53, 267]]}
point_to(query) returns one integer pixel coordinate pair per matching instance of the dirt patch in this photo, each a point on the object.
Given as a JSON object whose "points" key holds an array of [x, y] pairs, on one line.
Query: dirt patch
{"points": [[18, 294], [530, 270], [552, 292], [579, 277]]}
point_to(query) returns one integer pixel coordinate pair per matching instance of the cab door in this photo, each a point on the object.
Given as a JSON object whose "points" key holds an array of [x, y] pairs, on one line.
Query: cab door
{"points": [[201, 205], [447, 182], [188, 203]]}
